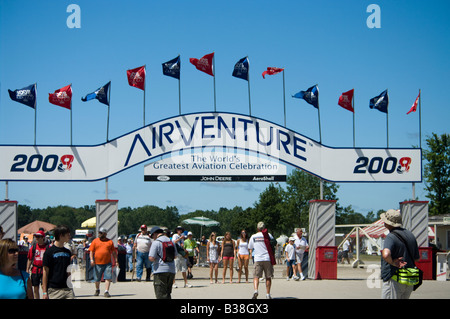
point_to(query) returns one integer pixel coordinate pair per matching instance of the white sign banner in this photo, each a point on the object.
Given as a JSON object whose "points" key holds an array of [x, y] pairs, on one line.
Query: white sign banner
{"points": [[215, 166], [199, 130]]}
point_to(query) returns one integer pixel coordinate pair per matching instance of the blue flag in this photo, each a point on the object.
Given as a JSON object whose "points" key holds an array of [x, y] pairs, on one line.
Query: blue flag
{"points": [[380, 102], [172, 68], [311, 96], [241, 69], [101, 94], [26, 96]]}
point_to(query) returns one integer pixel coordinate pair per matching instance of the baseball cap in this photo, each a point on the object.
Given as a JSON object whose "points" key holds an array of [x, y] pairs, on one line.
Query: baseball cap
{"points": [[40, 233]]}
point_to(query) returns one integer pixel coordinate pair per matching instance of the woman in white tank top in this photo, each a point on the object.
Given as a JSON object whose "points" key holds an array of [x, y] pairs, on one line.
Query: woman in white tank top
{"points": [[212, 250], [243, 255]]}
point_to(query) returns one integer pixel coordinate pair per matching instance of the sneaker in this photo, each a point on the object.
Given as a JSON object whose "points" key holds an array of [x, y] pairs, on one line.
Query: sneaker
{"points": [[106, 294], [174, 286], [97, 292], [302, 277], [287, 278], [255, 295], [187, 286], [268, 296], [296, 278]]}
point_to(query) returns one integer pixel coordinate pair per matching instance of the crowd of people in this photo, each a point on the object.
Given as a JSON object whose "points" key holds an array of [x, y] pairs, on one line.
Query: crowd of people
{"points": [[163, 254]]}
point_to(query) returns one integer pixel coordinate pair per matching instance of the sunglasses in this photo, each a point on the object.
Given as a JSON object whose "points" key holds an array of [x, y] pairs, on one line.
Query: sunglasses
{"points": [[13, 250]]}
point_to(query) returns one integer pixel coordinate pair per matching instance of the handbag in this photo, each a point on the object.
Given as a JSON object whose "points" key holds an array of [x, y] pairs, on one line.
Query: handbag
{"points": [[408, 276]]}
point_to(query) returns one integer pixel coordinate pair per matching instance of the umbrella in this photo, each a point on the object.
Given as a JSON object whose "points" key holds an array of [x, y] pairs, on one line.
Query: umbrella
{"points": [[33, 227], [89, 223], [202, 221]]}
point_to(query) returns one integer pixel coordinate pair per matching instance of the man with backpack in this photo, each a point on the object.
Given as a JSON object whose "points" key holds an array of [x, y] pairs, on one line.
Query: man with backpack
{"points": [[400, 252], [162, 254], [34, 264]]}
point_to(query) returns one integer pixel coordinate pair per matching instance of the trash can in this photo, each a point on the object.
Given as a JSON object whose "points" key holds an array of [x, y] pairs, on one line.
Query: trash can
{"points": [[326, 262], [425, 263], [441, 266]]}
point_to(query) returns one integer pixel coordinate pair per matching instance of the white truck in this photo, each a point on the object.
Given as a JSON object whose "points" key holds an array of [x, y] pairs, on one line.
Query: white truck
{"points": [[82, 234]]}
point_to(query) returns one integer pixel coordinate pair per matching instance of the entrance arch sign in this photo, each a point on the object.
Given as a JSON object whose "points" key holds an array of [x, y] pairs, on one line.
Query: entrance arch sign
{"points": [[229, 131]]}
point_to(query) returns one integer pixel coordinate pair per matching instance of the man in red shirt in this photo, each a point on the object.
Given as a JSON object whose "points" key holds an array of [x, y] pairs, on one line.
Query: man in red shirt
{"points": [[34, 263], [100, 253]]}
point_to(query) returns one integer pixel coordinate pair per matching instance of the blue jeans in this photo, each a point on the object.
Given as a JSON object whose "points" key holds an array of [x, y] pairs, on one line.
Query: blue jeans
{"points": [[129, 262], [141, 262]]}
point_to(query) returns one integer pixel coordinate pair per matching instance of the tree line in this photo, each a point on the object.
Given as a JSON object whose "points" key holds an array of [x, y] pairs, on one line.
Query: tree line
{"points": [[282, 210]]}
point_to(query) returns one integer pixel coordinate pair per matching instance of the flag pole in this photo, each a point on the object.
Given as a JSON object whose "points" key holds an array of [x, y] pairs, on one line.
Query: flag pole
{"points": [[107, 121], [420, 120], [248, 83], [145, 80], [214, 79], [387, 123], [284, 100], [35, 110], [318, 114], [353, 102], [179, 95], [420, 143], [71, 115]]}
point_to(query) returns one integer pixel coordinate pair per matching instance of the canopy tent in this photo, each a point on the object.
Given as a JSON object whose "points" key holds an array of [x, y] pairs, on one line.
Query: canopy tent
{"points": [[33, 227], [376, 230]]}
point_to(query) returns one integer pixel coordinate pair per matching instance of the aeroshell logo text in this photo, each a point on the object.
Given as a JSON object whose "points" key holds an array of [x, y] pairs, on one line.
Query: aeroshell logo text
{"points": [[40, 163]]}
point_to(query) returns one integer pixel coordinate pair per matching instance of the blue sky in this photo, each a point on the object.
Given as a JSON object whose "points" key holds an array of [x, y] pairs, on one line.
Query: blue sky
{"points": [[322, 42]]}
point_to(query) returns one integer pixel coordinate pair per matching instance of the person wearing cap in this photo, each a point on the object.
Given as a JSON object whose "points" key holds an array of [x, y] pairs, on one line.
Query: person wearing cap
{"points": [[100, 253], [397, 253], [180, 261], [290, 260], [191, 246], [34, 264], [301, 244], [142, 244], [260, 244], [163, 271]]}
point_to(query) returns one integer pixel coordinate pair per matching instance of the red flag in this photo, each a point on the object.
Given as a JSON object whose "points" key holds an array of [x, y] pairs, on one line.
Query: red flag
{"points": [[205, 64], [414, 106], [62, 97], [345, 100], [271, 71], [136, 77]]}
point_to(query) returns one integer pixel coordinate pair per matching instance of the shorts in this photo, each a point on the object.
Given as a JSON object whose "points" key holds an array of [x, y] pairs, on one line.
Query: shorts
{"points": [[60, 293], [180, 264], [105, 270], [227, 257], [299, 258], [263, 266], [36, 279], [290, 262], [244, 257]]}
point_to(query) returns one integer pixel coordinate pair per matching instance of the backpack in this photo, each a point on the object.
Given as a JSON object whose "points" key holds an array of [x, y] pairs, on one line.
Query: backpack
{"points": [[168, 249]]}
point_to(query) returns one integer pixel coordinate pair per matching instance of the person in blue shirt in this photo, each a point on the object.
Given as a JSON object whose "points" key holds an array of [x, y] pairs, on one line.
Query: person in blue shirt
{"points": [[14, 283]]}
